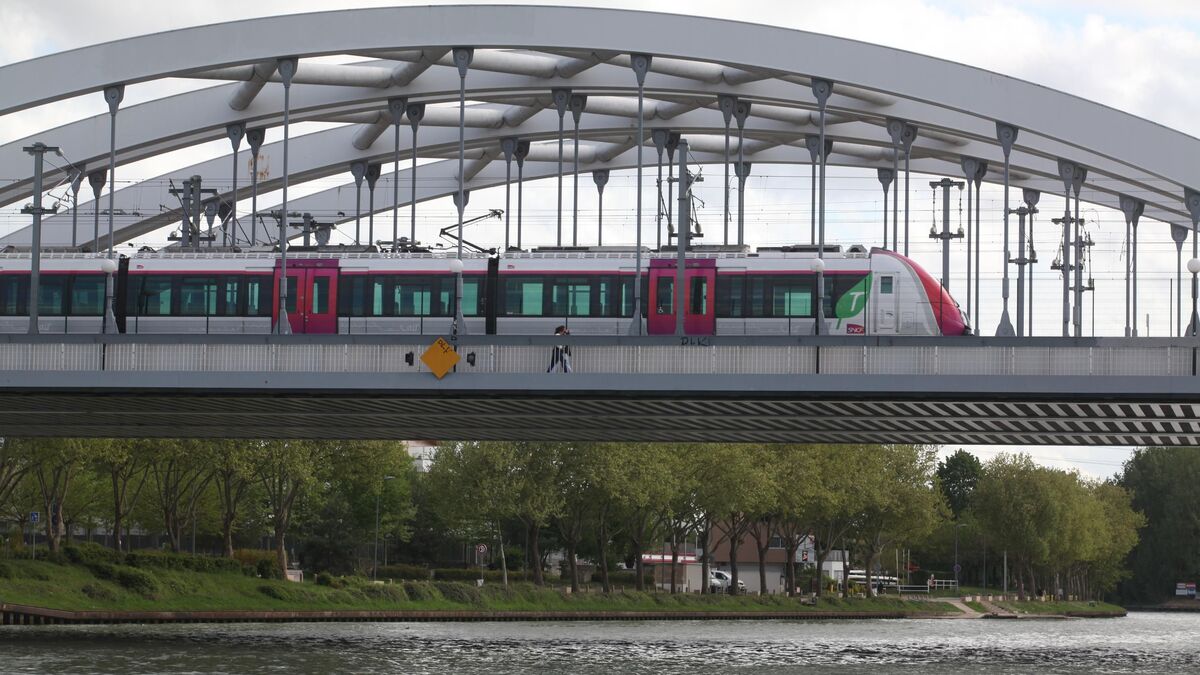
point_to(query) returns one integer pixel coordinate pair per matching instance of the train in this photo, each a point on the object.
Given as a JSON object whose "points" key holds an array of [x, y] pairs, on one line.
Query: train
{"points": [[728, 291]]}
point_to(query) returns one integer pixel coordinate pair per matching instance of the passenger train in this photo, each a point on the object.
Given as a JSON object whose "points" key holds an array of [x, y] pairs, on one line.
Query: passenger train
{"points": [[729, 291]]}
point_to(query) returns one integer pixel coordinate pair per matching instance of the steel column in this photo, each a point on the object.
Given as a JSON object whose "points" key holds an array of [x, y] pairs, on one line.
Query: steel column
{"points": [[415, 113], [38, 150], [1030, 196], [1191, 200], [508, 146], [1007, 135], [76, 183], [577, 104], [396, 108], [885, 177], [373, 173], [521, 153], [235, 132], [682, 235], [562, 98], [255, 138], [600, 178], [640, 63], [287, 69], [113, 96], [462, 60], [741, 111], [659, 137], [1179, 235], [358, 170], [1077, 180], [727, 104]]}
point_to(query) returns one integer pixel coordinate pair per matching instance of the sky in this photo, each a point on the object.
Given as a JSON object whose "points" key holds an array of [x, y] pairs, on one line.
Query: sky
{"points": [[1143, 58]]}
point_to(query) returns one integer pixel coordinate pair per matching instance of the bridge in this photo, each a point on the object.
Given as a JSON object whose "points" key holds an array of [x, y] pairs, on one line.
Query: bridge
{"points": [[815, 390], [421, 103]]}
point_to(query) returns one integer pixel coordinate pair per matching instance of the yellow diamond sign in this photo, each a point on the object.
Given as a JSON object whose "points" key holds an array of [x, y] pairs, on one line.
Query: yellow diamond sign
{"points": [[440, 358]]}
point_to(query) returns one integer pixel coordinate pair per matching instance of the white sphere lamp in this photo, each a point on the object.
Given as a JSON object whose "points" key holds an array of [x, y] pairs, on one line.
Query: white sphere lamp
{"points": [[1193, 265], [456, 266]]}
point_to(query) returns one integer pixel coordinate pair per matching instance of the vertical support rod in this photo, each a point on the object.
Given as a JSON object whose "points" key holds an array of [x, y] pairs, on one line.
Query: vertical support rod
{"points": [[641, 65], [970, 167], [978, 239], [113, 96], [415, 113], [1007, 135], [578, 102], [508, 146], [727, 104], [1031, 198], [910, 135], [659, 137], [600, 178], [740, 112], [682, 235], [1020, 263], [358, 169], [895, 129], [1191, 200], [521, 153], [255, 138], [236, 133], [562, 98], [287, 69], [885, 177], [38, 150], [462, 60], [672, 144], [373, 173], [1066, 171], [76, 183], [396, 109]]}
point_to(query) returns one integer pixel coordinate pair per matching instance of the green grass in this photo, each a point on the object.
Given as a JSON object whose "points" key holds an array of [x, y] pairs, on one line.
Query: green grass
{"points": [[1059, 608], [76, 587], [977, 606]]}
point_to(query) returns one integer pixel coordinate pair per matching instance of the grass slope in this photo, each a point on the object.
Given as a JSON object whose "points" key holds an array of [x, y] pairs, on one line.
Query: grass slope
{"points": [[77, 587], [1061, 608]]}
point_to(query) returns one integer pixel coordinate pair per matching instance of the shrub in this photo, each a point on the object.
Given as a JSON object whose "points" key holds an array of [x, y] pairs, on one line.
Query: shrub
{"points": [[103, 570], [251, 556], [325, 579], [138, 581], [466, 574], [625, 578], [6, 572], [456, 591], [90, 553], [276, 591], [268, 569], [403, 572], [392, 592], [178, 561], [421, 590], [97, 592]]}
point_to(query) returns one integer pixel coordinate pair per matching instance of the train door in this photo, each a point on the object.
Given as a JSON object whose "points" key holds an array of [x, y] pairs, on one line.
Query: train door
{"points": [[699, 302], [885, 304], [312, 295]]}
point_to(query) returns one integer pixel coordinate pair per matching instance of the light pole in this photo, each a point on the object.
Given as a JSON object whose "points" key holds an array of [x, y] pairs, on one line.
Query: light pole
{"points": [[1193, 266], [817, 265], [956, 568], [375, 562], [456, 268]]}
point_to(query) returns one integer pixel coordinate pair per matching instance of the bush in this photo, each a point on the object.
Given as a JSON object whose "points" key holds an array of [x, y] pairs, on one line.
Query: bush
{"points": [[268, 569], [625, 578], [251, 556], [178, 561], [403, 572], [392, 592], [456, 591], [421, 590], [88, 553], [325, 579], [138, 581], [467, 574], [6, 572], [275, 591], [97, 592], [103, 571]]}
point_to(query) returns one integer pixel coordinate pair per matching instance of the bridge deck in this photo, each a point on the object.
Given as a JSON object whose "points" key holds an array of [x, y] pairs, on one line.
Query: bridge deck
{"points": [[830, 389]]}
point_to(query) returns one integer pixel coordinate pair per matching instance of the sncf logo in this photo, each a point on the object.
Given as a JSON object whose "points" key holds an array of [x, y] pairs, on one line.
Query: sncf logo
{"points": [[855, 329]]}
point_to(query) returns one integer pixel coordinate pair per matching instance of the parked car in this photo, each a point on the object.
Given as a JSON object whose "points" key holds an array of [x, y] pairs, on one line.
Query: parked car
{"points": [[719, 581]]}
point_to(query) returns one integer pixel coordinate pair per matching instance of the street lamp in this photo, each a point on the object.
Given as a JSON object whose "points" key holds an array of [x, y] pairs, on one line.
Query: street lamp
{"points": [[375, 561], [1193, 266], [456, 268], [108, 266], [956, 568], [818, 267]]}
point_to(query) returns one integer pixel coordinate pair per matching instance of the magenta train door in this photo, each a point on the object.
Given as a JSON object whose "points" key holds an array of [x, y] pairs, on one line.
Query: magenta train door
{"points": [[312, 295], [699, 305]]}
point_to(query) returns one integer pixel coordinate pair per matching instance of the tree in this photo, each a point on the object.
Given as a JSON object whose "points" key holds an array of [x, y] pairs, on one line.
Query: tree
{"points": [[125, 464], [15, 462], [1164, 484], [55, 464], [180, 471], [958, 475], [796, 470], [284, 469], [233, 477]]}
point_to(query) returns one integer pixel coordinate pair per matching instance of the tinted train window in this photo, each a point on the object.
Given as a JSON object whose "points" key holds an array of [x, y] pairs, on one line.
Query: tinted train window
{"points": [[259, 291], [228, 288], [792, 296], [87, 295], [198, 296], [320, 295], [731, 295], [14, 295], [664, 296], [52, 295], [699, 295], [523, 296], [413, 296], [571, 297]]}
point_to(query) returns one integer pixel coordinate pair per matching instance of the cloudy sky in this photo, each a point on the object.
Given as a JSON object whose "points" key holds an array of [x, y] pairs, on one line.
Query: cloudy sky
{"points": [[1141, 57]]}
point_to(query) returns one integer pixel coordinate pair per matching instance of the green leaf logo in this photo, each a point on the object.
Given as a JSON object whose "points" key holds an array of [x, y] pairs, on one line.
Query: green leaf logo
{"points": [[853, 301]]}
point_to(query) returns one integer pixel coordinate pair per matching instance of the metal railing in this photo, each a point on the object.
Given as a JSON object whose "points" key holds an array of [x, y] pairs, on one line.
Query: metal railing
{"points": [[602, 355]]}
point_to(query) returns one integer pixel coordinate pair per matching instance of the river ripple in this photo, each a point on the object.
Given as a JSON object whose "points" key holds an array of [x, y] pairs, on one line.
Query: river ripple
{"points": [[1141, 643]]}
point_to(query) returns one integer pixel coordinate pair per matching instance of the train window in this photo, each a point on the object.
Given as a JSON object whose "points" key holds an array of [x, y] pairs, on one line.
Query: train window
{"points": [[664, 296], [699, 295], [571, 297], [792, 296], [14, 295], [198, 296], [259, 289], [731, 295], [376, 293], [523, 296], [228, 288], [320, 295], [472, 299], [885, 285], [756, 303], [292, 288], [87, 295], [52, 293], [413, 296], [156, 296]]}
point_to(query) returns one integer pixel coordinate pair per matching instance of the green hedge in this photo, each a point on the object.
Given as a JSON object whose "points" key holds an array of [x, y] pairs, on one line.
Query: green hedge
{"points": [[404, 572], [624, 578], [467, 574], [88, 553], [177, 561], [138, 581]]}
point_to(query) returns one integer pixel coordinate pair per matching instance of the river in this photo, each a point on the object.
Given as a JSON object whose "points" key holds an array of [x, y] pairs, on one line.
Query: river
{"points": [[1141, 643]]}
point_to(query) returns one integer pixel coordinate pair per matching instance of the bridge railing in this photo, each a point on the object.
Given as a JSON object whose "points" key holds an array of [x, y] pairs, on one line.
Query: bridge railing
{"points": [[531, 355]]}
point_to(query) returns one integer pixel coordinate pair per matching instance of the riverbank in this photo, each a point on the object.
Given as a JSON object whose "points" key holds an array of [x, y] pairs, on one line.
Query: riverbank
{"points": [[45, 592]]}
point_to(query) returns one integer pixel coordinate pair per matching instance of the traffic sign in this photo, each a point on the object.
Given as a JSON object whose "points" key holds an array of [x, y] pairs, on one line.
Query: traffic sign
{"points": [[957, 568], [440, 358], [34, 516], [481, 549]]}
